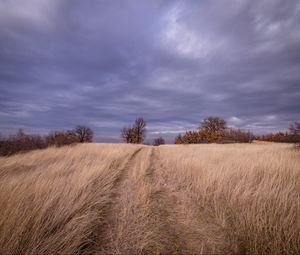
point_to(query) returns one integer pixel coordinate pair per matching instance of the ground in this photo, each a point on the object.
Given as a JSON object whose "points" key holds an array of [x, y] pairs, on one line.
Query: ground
{"points": [[137, 199]]}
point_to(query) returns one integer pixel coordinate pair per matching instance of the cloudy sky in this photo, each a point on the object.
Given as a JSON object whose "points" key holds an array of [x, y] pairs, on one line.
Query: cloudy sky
{"points": [[103, 63]]}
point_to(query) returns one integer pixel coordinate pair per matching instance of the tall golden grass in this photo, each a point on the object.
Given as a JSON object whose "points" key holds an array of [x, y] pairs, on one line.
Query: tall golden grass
{"points": [[52, 201], [135, 199], [244, 199]]}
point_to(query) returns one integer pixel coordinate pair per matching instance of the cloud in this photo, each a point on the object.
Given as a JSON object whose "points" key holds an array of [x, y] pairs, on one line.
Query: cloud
{"points": [[102, 64]]}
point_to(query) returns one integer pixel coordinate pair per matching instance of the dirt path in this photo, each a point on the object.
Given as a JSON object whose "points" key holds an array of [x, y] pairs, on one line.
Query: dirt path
{"points": [[153, 212], [124, 219], [192, 231], [149, 211], [139, 221]]}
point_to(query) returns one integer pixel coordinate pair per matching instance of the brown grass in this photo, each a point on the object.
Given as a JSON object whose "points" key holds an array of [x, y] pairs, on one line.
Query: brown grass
{"points": [[134, 199]]}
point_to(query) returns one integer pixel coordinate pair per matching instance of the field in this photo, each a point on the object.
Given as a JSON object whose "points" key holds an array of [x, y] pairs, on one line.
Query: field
{"points": [[137, 199]]}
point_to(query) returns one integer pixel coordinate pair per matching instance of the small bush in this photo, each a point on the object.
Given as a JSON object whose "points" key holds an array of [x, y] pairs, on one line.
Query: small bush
{"points": [[62, 138], [158, 141]]}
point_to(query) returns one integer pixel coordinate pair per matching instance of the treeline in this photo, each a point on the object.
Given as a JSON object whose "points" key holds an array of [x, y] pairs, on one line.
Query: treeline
{"points": [[291, 136], [215, 130], [211, 130], [22, 142]]}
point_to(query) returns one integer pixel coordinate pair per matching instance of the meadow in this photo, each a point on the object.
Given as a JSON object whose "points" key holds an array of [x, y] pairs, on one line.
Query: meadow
{"points": [[138, 199]]}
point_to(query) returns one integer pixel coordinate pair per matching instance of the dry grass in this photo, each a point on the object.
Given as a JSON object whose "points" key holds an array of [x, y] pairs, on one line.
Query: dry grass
{"points": [[53, 201], [171, 199]]}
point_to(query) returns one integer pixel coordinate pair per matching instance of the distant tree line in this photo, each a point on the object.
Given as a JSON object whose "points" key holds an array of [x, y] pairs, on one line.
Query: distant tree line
{"points": [[290, 136], [211, 130], [21, 142], [214, 130]]}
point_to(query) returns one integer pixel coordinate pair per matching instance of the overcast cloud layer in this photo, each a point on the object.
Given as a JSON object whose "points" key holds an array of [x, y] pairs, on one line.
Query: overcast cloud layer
{"points": [[103, 63]]}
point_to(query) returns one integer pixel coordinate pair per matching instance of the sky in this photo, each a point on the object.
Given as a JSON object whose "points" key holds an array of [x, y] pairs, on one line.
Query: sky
{"points": [[104, 63]]}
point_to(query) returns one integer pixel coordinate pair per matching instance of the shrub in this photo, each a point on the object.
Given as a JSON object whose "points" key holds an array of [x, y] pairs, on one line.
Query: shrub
{"points": [[60, 138], [237, 136], [158, 141]]}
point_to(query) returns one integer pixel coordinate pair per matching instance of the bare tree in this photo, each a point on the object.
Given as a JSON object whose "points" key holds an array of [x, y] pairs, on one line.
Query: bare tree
{"points": [[295, 129], [127, 135], [158, 141], [136, 133], [84, 134], [139, 128], [213, 124], [295, 133]]}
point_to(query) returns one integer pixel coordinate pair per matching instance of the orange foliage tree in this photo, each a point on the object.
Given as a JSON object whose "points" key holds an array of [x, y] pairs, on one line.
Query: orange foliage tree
{"points": [[214, 130]]}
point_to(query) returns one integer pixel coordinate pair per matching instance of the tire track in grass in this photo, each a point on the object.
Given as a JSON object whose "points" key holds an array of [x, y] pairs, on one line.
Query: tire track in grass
{"points": [[173, 201], [138, 222], [165, 239], [91, 246], [118, 221], [193, 231], [143, 217], [124, 172], [151, 212]]}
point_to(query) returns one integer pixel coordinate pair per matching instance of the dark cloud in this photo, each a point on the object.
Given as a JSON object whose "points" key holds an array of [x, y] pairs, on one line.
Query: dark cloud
{"points": [[102, 63]]}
